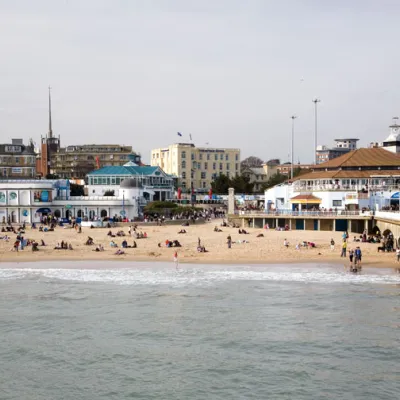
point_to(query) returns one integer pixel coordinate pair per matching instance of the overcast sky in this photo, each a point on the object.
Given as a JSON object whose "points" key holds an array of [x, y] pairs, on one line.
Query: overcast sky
{"points": [[229, 72]]}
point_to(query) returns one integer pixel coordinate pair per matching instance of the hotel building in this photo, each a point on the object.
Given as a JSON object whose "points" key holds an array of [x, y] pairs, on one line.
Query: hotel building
{"points": [[17, 161], [196, 167]]}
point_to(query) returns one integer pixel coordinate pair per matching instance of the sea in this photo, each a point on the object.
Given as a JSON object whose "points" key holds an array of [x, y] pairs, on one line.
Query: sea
{"points": [[115, 330]]}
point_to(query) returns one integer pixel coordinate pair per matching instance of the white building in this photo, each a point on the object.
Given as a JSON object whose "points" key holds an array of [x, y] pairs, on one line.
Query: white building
{"points": [[363, 178], [29, 200], [154, 182]]}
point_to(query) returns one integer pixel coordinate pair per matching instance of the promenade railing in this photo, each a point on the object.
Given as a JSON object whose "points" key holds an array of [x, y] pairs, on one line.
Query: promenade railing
{"points": [[290, 213]]}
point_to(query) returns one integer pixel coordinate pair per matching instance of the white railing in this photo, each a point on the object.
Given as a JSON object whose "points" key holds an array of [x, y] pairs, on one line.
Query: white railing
{"points": [[277, 213], [354, 188]]}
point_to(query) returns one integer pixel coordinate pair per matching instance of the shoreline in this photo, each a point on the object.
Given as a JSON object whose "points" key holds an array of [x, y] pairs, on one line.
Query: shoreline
{"points": [[251, 262]]}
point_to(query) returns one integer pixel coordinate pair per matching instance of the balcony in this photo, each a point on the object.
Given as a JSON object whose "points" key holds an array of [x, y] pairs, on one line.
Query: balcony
{"points": [[347, 188]]}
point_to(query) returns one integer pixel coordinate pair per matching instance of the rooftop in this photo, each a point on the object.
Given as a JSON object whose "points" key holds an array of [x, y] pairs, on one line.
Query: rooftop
{"points": [[371, 157], [126, 170]]}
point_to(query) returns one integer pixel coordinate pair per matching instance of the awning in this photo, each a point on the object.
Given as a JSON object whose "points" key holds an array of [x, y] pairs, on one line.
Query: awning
{"points": [[305, 199], [43, 210]]}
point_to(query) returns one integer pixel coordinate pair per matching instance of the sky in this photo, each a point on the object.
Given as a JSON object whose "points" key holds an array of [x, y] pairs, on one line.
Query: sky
{"points": [[229, 72]]}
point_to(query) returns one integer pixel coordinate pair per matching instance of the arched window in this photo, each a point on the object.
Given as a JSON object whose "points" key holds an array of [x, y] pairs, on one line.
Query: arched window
{"points": [[79, 214], [103, 213], [57, 213]]}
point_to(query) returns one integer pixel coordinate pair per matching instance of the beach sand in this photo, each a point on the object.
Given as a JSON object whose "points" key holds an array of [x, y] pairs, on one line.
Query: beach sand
{"points": [[265, 250]]}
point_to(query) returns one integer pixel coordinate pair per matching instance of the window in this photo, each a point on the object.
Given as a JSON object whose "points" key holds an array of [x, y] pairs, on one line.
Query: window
{"points": [[198, 165], [214, 166], [221, 156], [227, 174], [203, 175], [204, 185], [193, 156], [237, 167], [183, 164], [336, 203], [16, 160], [183, 185], [208, 156], [227, 166], [236, 157], [220, 166], [192, 174], [216, 157], [206, 165], [200, 156], [227, 157], [183, 175], [183, 154]]}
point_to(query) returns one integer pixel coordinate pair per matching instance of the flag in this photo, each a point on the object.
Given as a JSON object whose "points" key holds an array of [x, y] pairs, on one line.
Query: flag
{"points": [[179, 134]]}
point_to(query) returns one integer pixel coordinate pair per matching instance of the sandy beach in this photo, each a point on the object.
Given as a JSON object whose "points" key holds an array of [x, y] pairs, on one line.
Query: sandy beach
{"points": [[264, 250]]}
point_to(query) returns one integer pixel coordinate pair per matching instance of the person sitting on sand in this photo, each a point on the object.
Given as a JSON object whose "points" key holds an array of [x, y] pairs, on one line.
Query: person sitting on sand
{"points": [[124, 244], [70, 247], [202, 249], [144, 235], [35, 246], [135, 245], [113, 244], [286, 243], [58, 247], [89, 241], [40, 228], [119, 252], [311, 244], [298, 246], [182, 231], [42, 243], [260, 235]]}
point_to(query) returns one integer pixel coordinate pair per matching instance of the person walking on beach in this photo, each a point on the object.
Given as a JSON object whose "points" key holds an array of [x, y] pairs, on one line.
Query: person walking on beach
{"points": [[357, 256], [398, 254], [176, 259], [344, 248], [351, 256], [332, 245], [229, 242]]}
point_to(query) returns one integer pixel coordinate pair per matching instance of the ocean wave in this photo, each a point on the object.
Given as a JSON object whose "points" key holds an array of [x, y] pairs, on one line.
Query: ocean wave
{"points": [[205, 275]]}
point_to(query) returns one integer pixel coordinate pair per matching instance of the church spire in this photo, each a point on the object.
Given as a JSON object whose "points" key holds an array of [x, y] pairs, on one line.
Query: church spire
{"points": [[50, 127]]}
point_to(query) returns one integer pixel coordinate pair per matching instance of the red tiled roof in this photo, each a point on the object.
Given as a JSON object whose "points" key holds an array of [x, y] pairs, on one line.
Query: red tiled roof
{"points": [[373, 157], [308, 197]]}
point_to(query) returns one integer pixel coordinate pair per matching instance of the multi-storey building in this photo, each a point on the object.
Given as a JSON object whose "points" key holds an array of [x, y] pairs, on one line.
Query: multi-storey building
{"points": [[17, 161], [77, 161], [342, 146], [196, 167]]}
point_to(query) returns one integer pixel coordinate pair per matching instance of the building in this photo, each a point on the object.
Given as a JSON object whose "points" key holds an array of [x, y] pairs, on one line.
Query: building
{"points": [[260, 175], [360, 179], [155, 183], [286, 168], [392, 143], [76, 161], [342, 146], [196, 167], [29, 200], [17, 161], [49, 145]]}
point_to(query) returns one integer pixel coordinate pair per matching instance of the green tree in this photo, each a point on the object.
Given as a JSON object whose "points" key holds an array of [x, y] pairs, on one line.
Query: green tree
{"points": [[220, 184], [242, 184]]}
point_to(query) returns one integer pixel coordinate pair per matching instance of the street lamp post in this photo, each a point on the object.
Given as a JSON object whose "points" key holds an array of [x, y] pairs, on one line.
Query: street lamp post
{"points": [[316, 101], [292, 147], [123, 204]]}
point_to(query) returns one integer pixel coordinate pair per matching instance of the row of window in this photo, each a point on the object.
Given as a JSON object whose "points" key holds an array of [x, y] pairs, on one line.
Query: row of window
{"points": [[115, 180], [207, 156], [203, 184], [30, 160], [90, 157], [214, 166]]}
